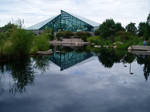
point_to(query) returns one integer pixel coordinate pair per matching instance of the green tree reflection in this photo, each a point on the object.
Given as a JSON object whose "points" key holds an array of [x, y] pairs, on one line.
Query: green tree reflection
{"points": [[22, 71], [110, 56], [41, 62], [146, 61]]}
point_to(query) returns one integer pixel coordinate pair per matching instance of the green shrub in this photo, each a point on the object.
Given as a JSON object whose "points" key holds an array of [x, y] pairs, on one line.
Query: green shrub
{"points": [[99, 41], [124, 36], [21, 42], [40, 43], [59, 35], [83, 35], [68, 34], [123, 46], [34, 50], [64, 34], [8, 48], [108, 29], [94, 39]]}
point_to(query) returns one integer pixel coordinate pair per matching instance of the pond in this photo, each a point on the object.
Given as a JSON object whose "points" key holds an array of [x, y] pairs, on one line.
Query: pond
{"points": [[76, 80]]}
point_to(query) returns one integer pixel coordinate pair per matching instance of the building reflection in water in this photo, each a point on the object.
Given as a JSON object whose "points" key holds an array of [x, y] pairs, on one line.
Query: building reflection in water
{"points": [[68, 59]]}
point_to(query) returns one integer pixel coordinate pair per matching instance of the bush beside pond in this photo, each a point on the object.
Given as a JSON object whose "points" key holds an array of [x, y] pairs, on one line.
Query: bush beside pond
{"points": [[16, 42], [70, 34]]}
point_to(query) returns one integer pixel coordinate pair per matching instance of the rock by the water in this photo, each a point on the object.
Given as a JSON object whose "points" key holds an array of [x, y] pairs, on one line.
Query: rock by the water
{"points": [[45, 52]]}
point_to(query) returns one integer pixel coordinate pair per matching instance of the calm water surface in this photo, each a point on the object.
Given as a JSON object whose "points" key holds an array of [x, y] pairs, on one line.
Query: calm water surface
{"points": [[76, 81]]}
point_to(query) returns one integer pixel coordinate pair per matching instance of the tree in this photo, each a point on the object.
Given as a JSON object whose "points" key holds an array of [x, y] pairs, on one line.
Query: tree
{"points": [[21, 42], [8, 28], [148, 19], [141, 28], [118, 27], [109, 28], [147, 31], [144, 29], [131, 28], [83, 35]]}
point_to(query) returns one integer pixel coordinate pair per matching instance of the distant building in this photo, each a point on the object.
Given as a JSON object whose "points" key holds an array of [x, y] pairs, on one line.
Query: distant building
{"points": [[66, 22]]}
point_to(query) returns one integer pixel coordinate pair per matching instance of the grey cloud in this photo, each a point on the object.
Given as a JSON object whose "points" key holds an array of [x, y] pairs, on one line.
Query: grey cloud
{"points": [[123, 11]]}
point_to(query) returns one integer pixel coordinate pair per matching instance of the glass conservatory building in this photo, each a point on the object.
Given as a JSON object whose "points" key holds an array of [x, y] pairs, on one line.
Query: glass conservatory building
{"points": [[66, 22]]}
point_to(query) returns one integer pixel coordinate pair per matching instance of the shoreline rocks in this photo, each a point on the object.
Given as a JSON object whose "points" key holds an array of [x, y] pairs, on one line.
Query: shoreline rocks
{"points": [[49, 52]]}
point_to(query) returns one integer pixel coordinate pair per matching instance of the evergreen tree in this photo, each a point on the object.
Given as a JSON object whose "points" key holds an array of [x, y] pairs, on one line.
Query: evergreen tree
{"points": [[109, 28], [148, 19], [131, 28]]}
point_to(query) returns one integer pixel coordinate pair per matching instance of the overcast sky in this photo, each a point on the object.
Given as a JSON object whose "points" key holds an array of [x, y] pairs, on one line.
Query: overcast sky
{"points": [[33, 11]]}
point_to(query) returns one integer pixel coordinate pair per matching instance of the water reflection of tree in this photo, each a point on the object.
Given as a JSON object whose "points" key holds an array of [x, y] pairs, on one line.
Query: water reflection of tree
{"points": [[22, 73], [41, 62], [129, 58], [146, 61], [110, 56]]}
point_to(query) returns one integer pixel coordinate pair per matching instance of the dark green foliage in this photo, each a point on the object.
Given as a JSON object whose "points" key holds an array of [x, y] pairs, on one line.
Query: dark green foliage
{"points": [[21, 42], [22, 73], [131, 28], [106, 57], [118, 27], [16, 43], [64, 34], [5, 32], [142, 28], [108, 29], [99, 41], [40, 43], [124, 36], [41, 62], [129, 58], [127, 39], [97, 32], [8, 28], [68, 34], [110, 56], [147, 29], [148, 19], [147, 32], [60, 35], [145, 60], [83, 35], [94, 39]]}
